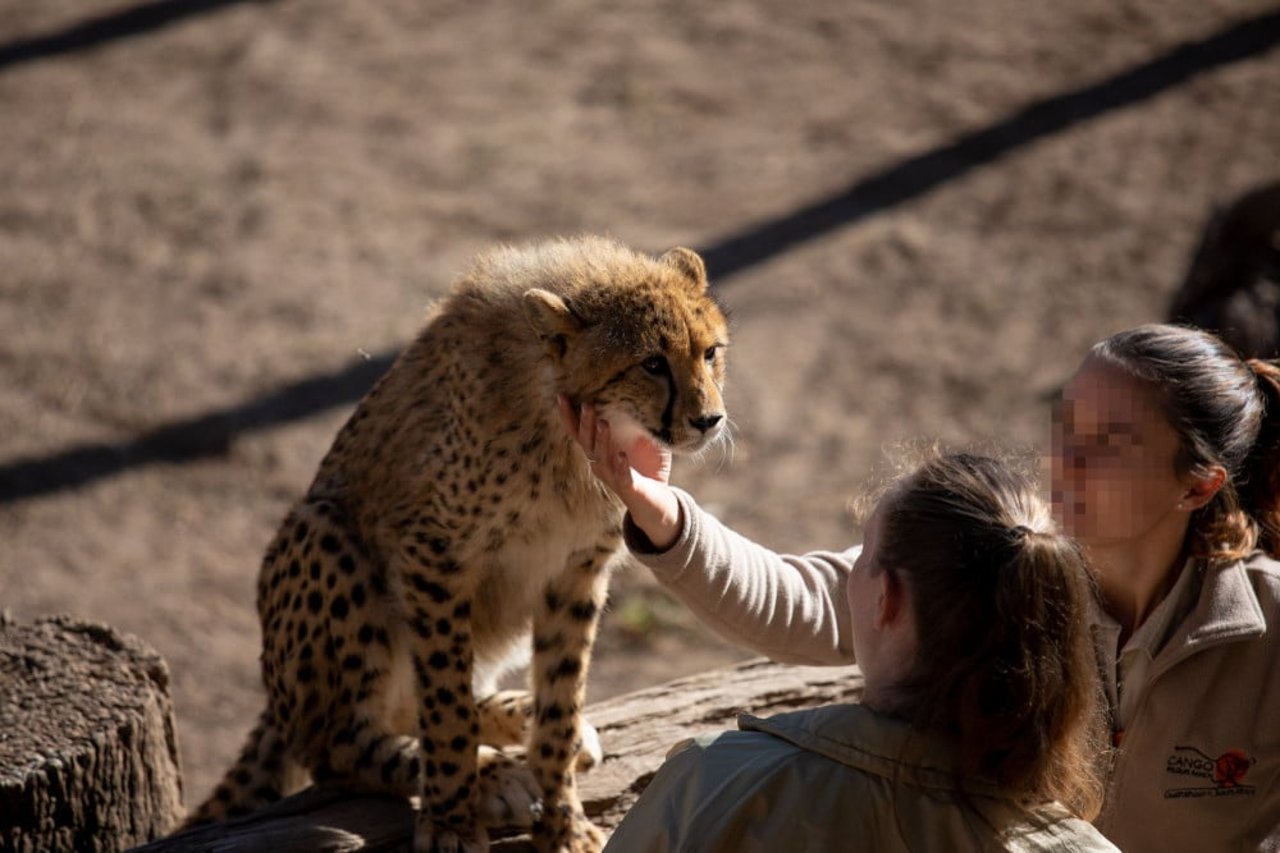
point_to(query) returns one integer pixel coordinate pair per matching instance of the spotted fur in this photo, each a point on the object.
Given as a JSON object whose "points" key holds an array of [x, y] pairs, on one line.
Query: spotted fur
{"points": [[453, 522]]}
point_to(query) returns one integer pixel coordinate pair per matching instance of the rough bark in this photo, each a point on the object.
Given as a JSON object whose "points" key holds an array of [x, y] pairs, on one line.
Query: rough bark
{"points": [[636, 731], [88, 754]]}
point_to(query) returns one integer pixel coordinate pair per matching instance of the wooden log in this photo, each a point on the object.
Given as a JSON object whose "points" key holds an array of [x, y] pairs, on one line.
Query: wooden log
{"points": [[88, 752], [636, 731]]}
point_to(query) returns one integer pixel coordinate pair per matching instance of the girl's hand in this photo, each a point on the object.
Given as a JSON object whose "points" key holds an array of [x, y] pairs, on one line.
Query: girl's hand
{"points": [[638, 474]]}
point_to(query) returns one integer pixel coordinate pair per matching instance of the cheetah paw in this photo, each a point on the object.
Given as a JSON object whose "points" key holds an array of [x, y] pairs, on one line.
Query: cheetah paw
{"points": [[433, 839], [567, 830], [509, 795]]}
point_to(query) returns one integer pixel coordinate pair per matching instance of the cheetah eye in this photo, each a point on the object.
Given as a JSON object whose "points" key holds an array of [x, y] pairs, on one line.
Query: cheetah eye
{"points": [[655, 365], [710, 354]]}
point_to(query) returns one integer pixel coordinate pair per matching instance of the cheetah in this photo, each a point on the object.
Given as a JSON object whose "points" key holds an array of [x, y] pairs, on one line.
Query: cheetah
{"points": [[455, 532]]}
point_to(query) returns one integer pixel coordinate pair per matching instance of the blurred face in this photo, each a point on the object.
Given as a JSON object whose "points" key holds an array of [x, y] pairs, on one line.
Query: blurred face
{"points": [[1114, 479]]}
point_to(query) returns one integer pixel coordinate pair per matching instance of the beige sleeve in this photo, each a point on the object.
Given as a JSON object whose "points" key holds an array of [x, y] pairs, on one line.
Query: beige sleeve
{"points": [[789, 608]]}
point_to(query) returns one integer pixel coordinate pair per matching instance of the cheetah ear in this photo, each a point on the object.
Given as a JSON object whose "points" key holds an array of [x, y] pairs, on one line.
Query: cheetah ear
{"points": [[688, 262], [552, 319]]}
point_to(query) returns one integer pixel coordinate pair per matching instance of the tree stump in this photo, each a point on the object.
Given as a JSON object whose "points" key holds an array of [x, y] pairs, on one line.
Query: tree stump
{"points": [[88, 752], [636, 731]]}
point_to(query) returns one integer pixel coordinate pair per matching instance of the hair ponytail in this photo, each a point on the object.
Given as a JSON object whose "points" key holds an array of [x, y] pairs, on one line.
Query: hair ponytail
{"points": [[1040, 732], [1260, 492], [1006, 664]]}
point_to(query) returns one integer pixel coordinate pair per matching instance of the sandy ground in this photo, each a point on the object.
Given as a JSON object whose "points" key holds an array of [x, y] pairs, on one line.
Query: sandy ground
{"points": [[214, 231]]}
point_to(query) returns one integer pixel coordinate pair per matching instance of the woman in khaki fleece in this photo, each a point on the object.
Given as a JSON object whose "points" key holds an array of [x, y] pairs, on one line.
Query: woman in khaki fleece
{"points": [[980, 715], [1165, 469]]}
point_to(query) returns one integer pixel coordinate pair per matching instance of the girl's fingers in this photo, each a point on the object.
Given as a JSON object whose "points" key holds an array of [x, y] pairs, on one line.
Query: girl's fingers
{"points": [[567, 415], [587, 430], [620, 471], [601, 442], [618, 465], [594, 437], [607, 459]]}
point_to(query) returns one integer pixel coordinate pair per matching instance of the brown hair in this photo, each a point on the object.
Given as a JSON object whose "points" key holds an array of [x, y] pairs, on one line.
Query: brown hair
{"points": [[1005, 663], [1226, 412]]}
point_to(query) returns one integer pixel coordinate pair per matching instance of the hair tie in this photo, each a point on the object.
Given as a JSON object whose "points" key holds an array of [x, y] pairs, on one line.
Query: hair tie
{"points": [[1263, 369], [1020, 531]]}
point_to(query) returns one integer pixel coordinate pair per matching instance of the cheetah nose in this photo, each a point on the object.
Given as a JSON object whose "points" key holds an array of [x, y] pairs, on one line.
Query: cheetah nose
{"points": [[704, 423]]}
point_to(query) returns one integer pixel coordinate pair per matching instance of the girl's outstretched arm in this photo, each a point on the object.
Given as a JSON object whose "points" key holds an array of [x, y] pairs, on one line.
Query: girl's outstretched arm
{"points": [[790, 608]]}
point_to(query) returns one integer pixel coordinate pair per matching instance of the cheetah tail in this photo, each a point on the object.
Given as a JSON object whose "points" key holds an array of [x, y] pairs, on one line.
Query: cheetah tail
{"points": [[261, 775]]}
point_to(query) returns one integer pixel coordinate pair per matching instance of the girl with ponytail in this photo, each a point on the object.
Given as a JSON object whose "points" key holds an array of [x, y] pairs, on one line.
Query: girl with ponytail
{"points": [[1002, 659], [979, 726]]}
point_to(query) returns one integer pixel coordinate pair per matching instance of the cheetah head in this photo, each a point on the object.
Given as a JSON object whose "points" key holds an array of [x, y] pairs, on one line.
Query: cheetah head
{"points": [[641, 339]]}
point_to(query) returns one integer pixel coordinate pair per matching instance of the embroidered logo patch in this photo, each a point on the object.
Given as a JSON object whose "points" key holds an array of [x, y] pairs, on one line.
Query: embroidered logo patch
{"points": [[1223, 776]]}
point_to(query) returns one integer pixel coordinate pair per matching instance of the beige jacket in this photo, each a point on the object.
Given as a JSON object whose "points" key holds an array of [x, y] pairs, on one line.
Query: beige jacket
{"points": [[836, 778], [1199, 764]]}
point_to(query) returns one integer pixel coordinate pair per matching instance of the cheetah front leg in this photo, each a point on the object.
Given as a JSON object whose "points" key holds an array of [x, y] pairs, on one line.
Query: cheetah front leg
{"points": [[564, 629], [438, 609]]}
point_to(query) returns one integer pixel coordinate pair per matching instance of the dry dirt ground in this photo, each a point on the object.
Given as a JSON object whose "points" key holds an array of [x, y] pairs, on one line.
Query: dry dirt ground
{"points": [[219, 219]]}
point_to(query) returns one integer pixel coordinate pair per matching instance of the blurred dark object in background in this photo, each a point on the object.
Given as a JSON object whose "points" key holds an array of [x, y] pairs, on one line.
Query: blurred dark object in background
{"points": [[1233, 285]]}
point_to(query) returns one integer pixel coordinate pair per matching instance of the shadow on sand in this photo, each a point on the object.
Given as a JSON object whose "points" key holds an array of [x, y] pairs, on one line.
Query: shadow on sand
{"points": [[211, 434]]}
